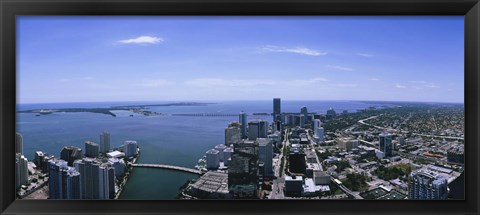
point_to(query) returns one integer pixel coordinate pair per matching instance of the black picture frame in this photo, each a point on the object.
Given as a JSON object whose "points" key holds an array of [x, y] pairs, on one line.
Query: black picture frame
{"points": [[9, 9]]}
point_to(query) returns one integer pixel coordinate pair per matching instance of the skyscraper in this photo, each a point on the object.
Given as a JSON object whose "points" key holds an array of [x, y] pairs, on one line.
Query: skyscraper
{"points": [[304, 113], [257, 129], [316, 124], [233, 133], [385, 144], [104, 142], [243, 170], [21, 170], [96, 179], [243, 123], [266, 155], [427, 185], [64, 181], [276, 109], [213, 158], [70, 154], [18, 143], [91, 149], [130, 148]]}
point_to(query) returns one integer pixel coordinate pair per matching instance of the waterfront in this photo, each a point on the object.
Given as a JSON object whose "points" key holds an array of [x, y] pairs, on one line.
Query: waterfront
{"points": [[174, 140]]}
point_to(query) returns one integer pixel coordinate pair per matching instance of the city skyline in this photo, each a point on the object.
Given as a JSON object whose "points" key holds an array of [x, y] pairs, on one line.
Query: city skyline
{"points": [[93, 59]]}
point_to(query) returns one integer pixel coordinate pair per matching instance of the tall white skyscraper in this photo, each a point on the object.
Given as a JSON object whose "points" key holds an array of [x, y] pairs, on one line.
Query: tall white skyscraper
{"points": [[316, 125], [427, 185], [104, 142], [96, 179], [130, 148], [21, 170]]}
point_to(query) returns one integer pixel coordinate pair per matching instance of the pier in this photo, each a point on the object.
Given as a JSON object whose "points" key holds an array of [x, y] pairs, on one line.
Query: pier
{"points": [[170, 167]]}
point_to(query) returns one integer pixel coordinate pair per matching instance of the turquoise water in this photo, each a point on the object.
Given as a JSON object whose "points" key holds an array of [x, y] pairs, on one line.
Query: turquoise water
{"points": [[174, 140]]}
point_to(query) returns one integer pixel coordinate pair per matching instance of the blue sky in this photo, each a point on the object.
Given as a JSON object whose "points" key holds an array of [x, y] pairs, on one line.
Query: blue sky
{"points": [[89, 59]]}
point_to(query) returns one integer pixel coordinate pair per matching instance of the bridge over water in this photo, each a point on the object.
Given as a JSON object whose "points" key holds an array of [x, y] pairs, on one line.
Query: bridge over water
{"points": [[170, 167]]}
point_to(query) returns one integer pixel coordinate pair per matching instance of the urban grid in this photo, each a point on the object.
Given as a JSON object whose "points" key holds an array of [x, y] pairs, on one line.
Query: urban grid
{"points": [[403, 151]]}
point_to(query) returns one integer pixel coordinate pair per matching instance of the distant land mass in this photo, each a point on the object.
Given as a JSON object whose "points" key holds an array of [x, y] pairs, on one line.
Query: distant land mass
{"points": [[108, 111]]}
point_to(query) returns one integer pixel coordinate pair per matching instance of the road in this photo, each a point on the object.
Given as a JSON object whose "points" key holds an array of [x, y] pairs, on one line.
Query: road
{"points": [[278, 183]]}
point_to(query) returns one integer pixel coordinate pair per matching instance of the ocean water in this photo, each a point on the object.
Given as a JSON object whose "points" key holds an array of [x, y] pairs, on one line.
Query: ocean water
{"points": [[174, 140]]}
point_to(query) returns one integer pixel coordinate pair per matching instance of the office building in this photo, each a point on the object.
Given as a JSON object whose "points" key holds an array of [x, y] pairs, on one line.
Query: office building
{"points": [[331, 113], [266, 155], [297, 161], [21, 170], [91, 149], [243, 170], [243, 123], [293, 185], [275, 138], [385, 144], [70, 154], [257, 129], [104, 142], [130, 148], [276, 109], [456, 154], [304, 113], [213, 159], [347, 144], [18, 143], [64, 181], [427, 185], [233, 133]]}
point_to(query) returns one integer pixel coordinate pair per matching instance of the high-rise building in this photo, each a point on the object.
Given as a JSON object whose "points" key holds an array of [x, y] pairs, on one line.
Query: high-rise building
{"points": [[304, 113], [257, 129], [104, 142], [233, 133], [70, 154], [96, 179], [427, 185], [243, 170], [220, 148], [266, 155], [320, 134], [331, 113], [21, 170], [91, 149], [385, 144], [118, 165], [64, 181], [38, 158], [276, 109], [227, 154], [18, 143], [213, 159], [130, 148], [243, 123]]}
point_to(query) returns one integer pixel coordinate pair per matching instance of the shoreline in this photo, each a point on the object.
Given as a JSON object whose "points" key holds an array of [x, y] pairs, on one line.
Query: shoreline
{"points": [[125, 179]]}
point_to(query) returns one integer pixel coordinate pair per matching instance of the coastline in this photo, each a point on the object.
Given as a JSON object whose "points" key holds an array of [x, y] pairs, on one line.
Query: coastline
{"points": [[127, 176]]}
